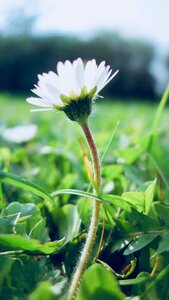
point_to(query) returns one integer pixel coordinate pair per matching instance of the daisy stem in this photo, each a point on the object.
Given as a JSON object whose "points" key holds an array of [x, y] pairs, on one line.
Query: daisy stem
{"points": [[85, 255]]}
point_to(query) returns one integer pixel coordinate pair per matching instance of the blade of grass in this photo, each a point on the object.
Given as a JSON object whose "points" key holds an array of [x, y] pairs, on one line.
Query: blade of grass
{"points": [[29, 186], [77, 193], [112, 200], [164, 179], [107, 147], [103, 156], [157, 117], [2, 200]]}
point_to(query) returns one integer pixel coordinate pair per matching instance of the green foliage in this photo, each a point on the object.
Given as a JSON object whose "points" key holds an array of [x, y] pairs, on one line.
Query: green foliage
{"points": [[104, 285], [46, 202]]}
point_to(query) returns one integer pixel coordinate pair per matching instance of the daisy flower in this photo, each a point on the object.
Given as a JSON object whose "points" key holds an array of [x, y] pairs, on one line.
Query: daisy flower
{"points": [[72, 88]]}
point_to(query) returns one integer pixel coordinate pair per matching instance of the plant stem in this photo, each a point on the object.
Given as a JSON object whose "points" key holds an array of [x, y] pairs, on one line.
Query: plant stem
{"points": [[85, 255]]}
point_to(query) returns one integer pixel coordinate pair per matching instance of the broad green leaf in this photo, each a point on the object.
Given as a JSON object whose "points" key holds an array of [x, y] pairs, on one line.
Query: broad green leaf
{"points": [[30, 221], [163, 243], [99, 283], [162, 212], [7, 224], [40, 231], [47, 291], [84, 207], [141, 200], [140, 242], [42, 292], [19, 242], [149, 195], [117, 201], [68, 222], [135, 230], [136, 199], [5, 267], [26, 272]]}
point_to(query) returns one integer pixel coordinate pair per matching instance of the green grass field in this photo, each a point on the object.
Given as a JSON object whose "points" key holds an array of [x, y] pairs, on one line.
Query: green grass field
{"points": [[35, 262]]}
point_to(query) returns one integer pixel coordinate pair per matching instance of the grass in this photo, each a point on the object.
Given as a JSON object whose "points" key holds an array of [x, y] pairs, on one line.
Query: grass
{"points": [[44, 241]]}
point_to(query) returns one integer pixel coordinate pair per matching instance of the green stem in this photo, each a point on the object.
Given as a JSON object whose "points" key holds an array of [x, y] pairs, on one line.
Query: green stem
{"points": [[85, 255]]}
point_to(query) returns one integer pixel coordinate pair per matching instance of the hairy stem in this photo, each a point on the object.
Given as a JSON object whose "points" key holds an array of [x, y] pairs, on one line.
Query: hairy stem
{"points": [[85, 255]]}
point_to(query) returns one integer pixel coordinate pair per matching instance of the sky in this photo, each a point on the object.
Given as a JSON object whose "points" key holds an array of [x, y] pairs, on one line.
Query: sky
{"points": [[146, 19]]}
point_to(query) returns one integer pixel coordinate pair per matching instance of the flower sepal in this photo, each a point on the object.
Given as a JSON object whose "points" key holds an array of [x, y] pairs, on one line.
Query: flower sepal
{"points": [[78, 111]]}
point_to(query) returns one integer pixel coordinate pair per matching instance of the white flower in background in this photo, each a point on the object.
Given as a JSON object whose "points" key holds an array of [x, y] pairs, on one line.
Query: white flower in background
{"points": [[19, 134], [72, 88]]}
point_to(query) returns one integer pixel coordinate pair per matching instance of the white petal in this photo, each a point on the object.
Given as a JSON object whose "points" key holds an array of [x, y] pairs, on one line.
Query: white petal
{"points": [[90, 72], [64, 78], [60, 68], [79, 75], [38, 102], [41, 109], [107, 81], [103, 78], [113, 75]]}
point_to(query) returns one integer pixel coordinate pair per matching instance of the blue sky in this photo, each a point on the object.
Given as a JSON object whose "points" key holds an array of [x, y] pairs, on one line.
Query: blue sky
{"points": [[147, 19]]}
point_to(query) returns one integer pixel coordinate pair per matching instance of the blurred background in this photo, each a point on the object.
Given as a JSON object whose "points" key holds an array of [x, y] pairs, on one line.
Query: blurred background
{"points": [[131, 35]]}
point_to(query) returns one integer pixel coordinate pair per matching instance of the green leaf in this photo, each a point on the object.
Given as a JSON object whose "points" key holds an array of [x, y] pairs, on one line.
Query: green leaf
{"points": [[5, 267], [137, 230], [117, 201], [158, 288], [29, 186], [140, 242], [163, 244], [19, 242], [7, 224], [30, 221], [39, 231], [47, 291], [68, 222], [149, 195], [84, 207], [42, 292], [162, 213], [141, 200], [136, 199], [21, 275], [98, 283]]}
